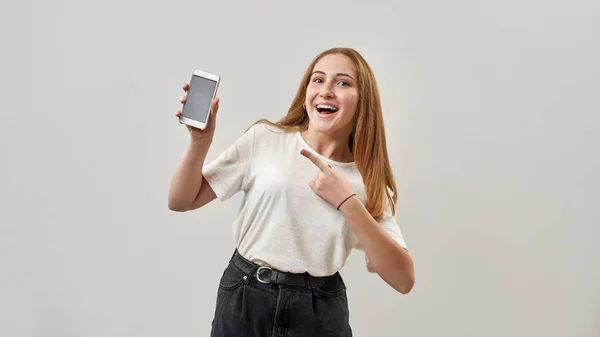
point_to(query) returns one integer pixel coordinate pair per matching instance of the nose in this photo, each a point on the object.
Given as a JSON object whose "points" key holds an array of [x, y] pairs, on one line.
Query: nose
{"points": [[326, 91]]}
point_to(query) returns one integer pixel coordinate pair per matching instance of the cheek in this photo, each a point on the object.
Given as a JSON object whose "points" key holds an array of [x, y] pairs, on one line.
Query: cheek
{"points": [[310, 94], [351, 102], [351, 106]]}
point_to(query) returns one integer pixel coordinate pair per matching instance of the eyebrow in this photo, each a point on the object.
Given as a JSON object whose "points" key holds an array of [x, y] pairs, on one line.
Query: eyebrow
{"points": [[338, 74]]}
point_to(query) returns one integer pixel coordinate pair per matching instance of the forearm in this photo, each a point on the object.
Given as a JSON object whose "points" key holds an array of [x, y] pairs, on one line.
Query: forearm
{"points": [[187, 179], [391, 261]]}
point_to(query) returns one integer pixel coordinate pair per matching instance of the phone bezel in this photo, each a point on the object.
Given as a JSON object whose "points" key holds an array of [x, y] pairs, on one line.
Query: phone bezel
{"points": [[192, 122]]}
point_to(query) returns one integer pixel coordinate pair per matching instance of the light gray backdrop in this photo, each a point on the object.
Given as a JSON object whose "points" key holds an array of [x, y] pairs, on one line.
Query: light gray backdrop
{"points": [[492, 116]]}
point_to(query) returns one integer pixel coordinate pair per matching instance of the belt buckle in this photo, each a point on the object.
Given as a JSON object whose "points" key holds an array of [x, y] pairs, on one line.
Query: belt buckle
{"points": [[258, 274]]}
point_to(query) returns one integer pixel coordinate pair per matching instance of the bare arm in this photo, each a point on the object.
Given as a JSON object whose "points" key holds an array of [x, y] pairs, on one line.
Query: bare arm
{"points": [[387, 258], [189, 190]]}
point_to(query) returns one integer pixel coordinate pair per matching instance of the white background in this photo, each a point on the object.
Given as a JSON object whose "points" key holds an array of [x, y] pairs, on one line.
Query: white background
{"points": [[492, 115]]}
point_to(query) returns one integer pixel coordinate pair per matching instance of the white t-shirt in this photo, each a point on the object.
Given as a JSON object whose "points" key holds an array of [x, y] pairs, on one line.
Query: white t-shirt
{"points": [[282, 223]]}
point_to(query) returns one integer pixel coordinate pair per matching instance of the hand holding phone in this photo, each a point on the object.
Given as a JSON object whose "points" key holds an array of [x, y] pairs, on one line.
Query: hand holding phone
{"points": [[200, 105]]}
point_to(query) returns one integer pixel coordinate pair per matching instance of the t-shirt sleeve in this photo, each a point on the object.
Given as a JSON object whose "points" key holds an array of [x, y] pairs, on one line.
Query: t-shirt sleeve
{"points": [[228, 173], [388, 221]]}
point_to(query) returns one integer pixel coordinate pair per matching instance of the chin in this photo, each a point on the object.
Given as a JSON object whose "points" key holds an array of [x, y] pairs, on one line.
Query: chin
{"points": [[322, 127]]}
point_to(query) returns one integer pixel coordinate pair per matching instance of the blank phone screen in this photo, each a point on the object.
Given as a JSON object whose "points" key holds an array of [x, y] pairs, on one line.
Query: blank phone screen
{"points": [[198, 98]]}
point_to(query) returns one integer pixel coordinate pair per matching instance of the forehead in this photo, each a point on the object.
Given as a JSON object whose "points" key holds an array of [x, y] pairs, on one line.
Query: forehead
{"points": [[336, 63]]}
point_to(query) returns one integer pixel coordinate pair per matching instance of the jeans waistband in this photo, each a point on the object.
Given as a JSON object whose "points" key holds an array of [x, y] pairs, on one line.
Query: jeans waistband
{"points": [[273, 276]]}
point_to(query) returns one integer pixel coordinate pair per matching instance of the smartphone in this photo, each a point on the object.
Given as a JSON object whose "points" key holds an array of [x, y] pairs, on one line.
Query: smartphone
{"points": [[202, 91]]}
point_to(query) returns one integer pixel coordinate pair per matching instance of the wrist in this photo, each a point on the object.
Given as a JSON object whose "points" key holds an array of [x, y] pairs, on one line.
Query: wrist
{"points": [[348, 203], [200, 144]]}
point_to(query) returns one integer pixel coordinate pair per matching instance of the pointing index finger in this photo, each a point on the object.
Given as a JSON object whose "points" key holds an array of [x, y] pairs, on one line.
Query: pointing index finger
{"points": [[314, 159]]}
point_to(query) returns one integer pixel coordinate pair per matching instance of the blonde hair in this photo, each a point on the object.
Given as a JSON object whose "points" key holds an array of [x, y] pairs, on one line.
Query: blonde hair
{"points": [[367, 140]]}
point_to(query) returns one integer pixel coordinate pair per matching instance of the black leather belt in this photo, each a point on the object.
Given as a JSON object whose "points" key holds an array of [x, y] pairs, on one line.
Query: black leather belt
{"points": [[273, 276]]}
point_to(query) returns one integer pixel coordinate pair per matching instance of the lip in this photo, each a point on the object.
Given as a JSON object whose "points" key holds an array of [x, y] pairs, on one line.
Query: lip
{"points": [[325, 115], [327, 103]]}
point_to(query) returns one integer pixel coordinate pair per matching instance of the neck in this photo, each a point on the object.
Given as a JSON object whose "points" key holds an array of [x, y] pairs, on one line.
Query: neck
{"points": [[332, 146]]}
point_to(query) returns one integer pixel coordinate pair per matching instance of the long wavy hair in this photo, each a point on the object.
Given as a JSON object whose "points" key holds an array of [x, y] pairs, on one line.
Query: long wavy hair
{"points": [[367, 140]]}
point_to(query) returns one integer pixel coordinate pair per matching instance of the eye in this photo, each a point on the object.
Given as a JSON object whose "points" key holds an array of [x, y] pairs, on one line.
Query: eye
{"points": [[343, 83], [318, 80]]}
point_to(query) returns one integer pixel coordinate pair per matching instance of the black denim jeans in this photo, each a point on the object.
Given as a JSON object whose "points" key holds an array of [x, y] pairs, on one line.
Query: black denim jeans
{"points": [[248, 308]]}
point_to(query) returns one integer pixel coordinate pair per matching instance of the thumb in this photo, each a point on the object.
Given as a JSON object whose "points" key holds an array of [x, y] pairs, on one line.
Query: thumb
{"points": [[215, 106]]}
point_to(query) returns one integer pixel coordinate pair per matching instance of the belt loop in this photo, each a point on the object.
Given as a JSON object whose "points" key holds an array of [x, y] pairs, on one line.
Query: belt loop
{"points": [[234, 253], [307, 280], [252, 274]]}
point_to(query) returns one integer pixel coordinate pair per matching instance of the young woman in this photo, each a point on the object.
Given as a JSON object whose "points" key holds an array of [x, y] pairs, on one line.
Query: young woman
{"points": [[317, 184]]}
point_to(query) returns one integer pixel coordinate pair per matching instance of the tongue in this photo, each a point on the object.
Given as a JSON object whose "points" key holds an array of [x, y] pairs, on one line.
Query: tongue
{"points": [[325, 111]]}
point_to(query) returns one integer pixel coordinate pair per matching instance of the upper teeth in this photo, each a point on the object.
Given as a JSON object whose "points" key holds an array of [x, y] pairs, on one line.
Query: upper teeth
{"points": [[323, 106]]}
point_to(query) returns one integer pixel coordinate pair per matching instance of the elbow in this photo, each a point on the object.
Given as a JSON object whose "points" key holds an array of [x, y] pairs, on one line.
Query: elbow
{"points": [[406, 279], [401, 279], [406, 286], [406, 275], [403, 283], [176, 206]]}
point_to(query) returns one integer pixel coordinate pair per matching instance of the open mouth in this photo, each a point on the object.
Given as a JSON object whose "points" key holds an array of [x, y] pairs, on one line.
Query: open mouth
{"points": [[326, 109]]}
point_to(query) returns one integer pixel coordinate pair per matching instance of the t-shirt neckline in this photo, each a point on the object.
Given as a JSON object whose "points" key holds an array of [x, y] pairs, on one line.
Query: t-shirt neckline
{"points": [[320, 156]]}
